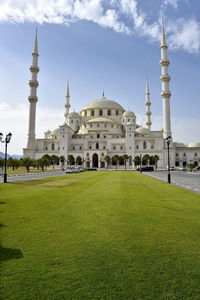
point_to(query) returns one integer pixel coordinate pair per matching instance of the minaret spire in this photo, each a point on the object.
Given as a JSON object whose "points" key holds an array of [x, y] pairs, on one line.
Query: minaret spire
{"points": [[67, 104], [33, 83], [148, 106], [165, 78]]}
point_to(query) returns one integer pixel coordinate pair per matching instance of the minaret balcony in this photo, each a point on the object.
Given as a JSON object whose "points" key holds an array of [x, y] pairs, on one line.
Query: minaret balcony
{"points": [[34, 69], [164, 62], [148, 103], [33, 99], [148, 113], [33, 83], [165, 94], [165, 78]]}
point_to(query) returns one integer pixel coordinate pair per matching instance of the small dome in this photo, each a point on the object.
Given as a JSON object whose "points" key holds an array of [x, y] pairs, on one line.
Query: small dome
{"points": [[128, 113], [105, 120], [130, 123], [177, 144], [74, 114], [142, 130], [55, 131], [103, 103], [194, 145]]}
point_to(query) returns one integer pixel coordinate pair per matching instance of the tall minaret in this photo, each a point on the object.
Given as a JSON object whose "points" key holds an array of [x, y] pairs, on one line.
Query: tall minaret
{"points": [[67, 104], [148, 107], [33, 83], [165, 94]]}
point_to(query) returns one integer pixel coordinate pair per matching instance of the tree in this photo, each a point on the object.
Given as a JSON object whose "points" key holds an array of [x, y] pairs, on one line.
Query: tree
{"points": [[191, 166], [70, 159], [78, 160], [54, 160], [115, 160], [41, 163], [107, 159], [62, 161], [125, 159], [13, 163], [156, 159], [46, 160], [137, 160], [145, 159], [27, 162], [1, 162]]}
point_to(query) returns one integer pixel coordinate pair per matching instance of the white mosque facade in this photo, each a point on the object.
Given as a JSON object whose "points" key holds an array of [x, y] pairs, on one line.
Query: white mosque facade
{"points": [[104, 128]]}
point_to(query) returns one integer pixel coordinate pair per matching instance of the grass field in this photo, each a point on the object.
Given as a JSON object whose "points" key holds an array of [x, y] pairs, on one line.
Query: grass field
{"points": [[99, 235]]}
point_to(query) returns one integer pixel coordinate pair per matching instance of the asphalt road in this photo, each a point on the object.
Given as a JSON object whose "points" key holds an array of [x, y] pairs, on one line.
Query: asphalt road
{"points": [[30, 176], [187, 180]]}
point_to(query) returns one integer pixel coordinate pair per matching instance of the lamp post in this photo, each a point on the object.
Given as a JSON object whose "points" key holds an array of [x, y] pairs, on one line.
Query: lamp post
{"points": [[6, 141], [168, 141], [140, 163]]}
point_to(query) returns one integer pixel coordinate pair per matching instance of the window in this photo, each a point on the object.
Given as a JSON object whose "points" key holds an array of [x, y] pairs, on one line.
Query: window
{"points": [[80, 148], [98, 135], [137, 147], [71, 121], [184, 154], [151, 146], [114, 147], [104, 147], [130, 148], [101, 112], [46, 148], [109, 112], [77, 121], [52, 146], [121, 147], [104, 136], [58, 148], [63, 148], [102, 154], [91, 125], [195, 154], [63, 136], [111, 126], [129, 135], [88, 154], [117, 113], [97, 145], [73, 148], [91, 136], [176, 154], [105, 125], [117, 136], [92, 112], [128, 120], [63, 129], [144, 145], [97, 125], [90, 147]]}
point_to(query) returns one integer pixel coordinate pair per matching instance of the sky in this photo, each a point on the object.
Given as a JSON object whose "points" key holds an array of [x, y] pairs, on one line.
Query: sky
{"points": [[110, 45]]}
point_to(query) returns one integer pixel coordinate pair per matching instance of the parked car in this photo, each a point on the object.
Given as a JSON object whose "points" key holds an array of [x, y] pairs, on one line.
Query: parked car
{"points": [[173, 169], [69, 171], [146, 169], [198, 168]]}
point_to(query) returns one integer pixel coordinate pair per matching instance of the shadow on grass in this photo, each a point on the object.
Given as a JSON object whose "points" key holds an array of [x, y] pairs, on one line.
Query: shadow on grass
{"points": [[8, 253]]}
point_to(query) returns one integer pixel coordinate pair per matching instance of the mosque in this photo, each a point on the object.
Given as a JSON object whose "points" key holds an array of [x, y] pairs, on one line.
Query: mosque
{"points": [[105, 128]]}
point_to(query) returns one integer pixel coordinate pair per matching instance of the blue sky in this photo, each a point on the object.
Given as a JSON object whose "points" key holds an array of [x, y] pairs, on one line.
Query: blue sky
{"points": [[111, 45]]}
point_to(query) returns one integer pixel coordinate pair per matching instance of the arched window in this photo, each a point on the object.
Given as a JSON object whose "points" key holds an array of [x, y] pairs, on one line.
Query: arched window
{"points": [[80, 148], [98, 135], [184, 154], [52, 146], [101, 112], [109, 112], [114, 147], [92, 112], [46, 148], [97, 145], [137, 147], [117, 113], [144, 145]]}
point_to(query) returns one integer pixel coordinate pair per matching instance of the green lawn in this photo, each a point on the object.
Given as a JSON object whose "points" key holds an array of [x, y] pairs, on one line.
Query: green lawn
{"points": [[99, 235]]}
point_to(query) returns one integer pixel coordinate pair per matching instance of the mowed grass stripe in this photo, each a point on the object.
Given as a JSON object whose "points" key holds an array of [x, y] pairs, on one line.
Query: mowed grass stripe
{"points": [[101, 235]]}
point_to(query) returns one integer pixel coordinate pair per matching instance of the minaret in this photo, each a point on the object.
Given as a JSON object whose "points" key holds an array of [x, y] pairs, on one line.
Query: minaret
{"points": [[148, 107], [165, 94], [33, 83], [67, 104]]}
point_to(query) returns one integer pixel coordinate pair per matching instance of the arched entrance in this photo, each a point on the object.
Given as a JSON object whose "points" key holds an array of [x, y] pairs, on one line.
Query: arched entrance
{"points": [[95, 159]]}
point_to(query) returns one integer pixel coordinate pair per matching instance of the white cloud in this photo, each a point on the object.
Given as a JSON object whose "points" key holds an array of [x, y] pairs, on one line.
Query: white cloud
{"points": [[173, 3], [15, 120], [120, 15]]}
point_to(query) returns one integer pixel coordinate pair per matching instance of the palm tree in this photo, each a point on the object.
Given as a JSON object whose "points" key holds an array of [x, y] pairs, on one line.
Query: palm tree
{"points": [[1, 162], [115, 159], [145, 159], [27, 162], [47, 160], [137, 160], [54, 160], [107, 159], [70, 159], [125, 159], [62, 161], [156, 159]]}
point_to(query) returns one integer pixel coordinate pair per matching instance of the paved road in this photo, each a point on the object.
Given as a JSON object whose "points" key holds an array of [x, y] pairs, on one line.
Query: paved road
{"points": [[29, 176], [188, 180]]}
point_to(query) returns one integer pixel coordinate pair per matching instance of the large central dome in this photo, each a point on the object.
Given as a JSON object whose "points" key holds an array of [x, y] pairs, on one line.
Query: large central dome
{"points": [[103, 103]]}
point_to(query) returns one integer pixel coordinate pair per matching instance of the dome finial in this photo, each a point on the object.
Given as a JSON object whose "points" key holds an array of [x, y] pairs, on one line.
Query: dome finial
{"points": [[103, 94]]}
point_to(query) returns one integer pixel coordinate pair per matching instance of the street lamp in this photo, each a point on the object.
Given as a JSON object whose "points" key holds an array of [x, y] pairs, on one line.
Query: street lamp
{"points": [[168, 141], [140, 163], [6, 141]]}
